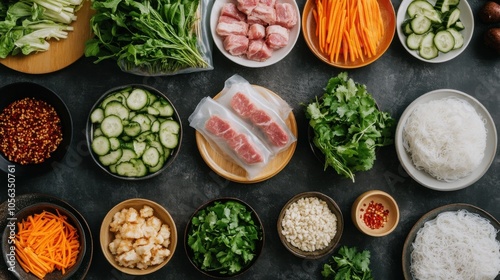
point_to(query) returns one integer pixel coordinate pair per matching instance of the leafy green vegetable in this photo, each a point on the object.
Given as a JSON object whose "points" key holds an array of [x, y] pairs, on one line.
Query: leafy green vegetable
{"points": [[348, 126], [152, 35], [224, 237], [27, 25], [348, 264]]}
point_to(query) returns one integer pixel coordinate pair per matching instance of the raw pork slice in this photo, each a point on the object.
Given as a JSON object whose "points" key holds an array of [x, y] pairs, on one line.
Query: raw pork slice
{"points": [[256, 31], [258, 50], [230, 10], [268, 2], [227, 26], [276, 36], [285, 15], [262, 13], [244, 107], [236, 44], [247, 6], [238, 142]]}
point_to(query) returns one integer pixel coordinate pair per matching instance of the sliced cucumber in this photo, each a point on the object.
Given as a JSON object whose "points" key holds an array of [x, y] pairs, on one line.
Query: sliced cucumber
{"points": [[458, 37], [101, 145], [413, 41], [134, 132], [427, 48], [444, 41], [420, 24], [452, 17], [137, 99], [423, 8]]}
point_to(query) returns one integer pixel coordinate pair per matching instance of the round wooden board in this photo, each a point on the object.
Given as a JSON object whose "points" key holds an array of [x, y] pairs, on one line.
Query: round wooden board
{"points": [[225, 168], [61, 53]]}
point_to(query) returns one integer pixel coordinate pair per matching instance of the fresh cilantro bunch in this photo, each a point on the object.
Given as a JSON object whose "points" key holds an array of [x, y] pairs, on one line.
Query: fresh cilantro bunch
{"points": [[348, 126], [349, 264], [223, 238]]}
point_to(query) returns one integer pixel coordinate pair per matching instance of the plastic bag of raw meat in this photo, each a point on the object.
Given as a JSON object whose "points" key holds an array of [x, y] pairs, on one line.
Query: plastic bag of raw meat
{"points": [[262, 110], [227, 134]]}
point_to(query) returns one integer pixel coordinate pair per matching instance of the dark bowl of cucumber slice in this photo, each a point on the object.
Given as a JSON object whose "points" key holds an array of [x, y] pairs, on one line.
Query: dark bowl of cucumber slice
{"points": [[134, 132]]}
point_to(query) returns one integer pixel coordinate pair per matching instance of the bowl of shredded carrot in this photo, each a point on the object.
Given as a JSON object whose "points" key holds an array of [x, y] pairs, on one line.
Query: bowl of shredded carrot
{"points": [[348, 33], [44, 241]]}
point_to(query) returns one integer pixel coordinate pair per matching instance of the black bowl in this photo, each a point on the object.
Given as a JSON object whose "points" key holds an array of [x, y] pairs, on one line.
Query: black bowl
{"points": [[259, 247], [19, 90], [32, 210], [91, 127]]}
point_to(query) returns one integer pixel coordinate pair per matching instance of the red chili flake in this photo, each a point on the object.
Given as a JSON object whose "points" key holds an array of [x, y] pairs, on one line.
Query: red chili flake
{"points": [[30, 130], [375, 215]]}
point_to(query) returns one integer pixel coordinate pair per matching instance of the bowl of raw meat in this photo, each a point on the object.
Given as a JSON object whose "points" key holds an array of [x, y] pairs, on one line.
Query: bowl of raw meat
{"points": [[255, 34]]}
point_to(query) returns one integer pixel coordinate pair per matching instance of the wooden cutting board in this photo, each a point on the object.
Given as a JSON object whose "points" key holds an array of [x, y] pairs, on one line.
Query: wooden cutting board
{"points": [[61, 53]]}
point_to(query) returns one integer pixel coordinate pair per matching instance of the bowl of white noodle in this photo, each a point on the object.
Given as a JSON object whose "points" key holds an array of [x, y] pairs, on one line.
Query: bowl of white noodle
{"points": [[446, 140], [454, 241]]}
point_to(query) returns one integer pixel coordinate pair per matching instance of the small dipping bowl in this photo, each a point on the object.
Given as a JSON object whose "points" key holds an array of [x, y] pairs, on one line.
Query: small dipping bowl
{"points": [[375, 213]]}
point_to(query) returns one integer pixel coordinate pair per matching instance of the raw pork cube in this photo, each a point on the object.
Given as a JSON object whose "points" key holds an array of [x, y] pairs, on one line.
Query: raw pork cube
{"points": [[236, 44], [246, 6], [230, 10], [269, 3], [285, 15], [256, 31], [263, 13], [258, 50], [276, 36], [234, 27]]}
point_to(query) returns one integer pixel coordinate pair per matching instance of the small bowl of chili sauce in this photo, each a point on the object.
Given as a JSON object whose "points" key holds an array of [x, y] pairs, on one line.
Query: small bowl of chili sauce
{"points": [[375, 213], [35, 129]]}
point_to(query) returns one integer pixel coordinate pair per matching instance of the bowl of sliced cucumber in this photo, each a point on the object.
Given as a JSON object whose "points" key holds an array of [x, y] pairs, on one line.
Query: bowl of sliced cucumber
{"points": [[435, 31], [134, 132]]}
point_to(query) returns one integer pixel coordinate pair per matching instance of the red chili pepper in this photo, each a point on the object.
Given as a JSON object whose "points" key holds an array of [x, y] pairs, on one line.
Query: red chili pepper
{"points": [[375, 216]]}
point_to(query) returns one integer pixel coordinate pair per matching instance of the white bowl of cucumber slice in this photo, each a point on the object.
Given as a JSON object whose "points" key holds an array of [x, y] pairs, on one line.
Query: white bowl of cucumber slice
{"points": [[435, 31], [134, 132]]}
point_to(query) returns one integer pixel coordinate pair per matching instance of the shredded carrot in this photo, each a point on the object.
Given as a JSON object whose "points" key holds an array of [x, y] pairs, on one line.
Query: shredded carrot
{"points": [[348, 29], [46, 242]]}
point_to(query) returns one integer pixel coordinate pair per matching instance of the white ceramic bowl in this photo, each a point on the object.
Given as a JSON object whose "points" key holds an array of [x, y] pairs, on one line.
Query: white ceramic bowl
{"points": [[423, 177], [241, 60], [466, 17]]}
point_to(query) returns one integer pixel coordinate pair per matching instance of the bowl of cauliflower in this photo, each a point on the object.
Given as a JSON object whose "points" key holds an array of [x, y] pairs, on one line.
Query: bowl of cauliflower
{"points": [[138, 236]]}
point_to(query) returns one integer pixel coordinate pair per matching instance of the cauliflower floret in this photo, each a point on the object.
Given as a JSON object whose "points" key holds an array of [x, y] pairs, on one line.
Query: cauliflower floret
{"points": [[154, 222], [165, 234], [131, 215], [159, 254], [128, 259], [129, 230], [113, 246], [146, 211], [125, 245], [117, 221]]}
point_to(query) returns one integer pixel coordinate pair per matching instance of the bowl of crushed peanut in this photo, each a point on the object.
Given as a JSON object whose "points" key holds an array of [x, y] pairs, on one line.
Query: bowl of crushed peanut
{"points": [[138, 236], [35, 129], [310, 225]]}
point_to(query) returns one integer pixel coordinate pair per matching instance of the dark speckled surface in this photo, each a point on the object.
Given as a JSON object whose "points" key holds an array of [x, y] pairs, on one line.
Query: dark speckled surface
{"points": [[395, 80]]}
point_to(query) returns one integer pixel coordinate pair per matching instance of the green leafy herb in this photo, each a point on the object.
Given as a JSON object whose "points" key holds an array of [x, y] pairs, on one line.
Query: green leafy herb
{"points": [[224, 237], [348, 264], [152, 35], [27, 25], [348, 126]]}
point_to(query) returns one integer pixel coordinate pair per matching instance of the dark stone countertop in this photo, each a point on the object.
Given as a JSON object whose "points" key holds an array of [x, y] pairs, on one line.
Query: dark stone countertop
{"points": [[395, 80]]}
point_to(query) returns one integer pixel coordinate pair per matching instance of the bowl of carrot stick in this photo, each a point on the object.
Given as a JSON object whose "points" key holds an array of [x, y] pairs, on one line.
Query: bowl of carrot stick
{"points": [[43, 241], [348, 33]]}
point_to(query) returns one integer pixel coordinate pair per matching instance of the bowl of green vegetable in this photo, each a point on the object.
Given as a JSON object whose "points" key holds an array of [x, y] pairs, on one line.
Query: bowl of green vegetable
{"points": [[134, 132], [232, 231]]}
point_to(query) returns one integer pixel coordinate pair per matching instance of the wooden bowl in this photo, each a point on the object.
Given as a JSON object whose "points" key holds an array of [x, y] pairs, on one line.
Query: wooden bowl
{"points": [[34, 209], [373, 227], [106, 236], [309, 27], [316, 254]]}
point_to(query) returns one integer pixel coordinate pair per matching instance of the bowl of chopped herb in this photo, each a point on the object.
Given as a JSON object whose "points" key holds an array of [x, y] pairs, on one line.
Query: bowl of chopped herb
{"points": [[232, 230], [35, 129]]}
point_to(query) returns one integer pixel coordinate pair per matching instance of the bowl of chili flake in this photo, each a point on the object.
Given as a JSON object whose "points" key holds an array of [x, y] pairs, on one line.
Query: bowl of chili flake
{"points": [[35, 129], [375, 213]]}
